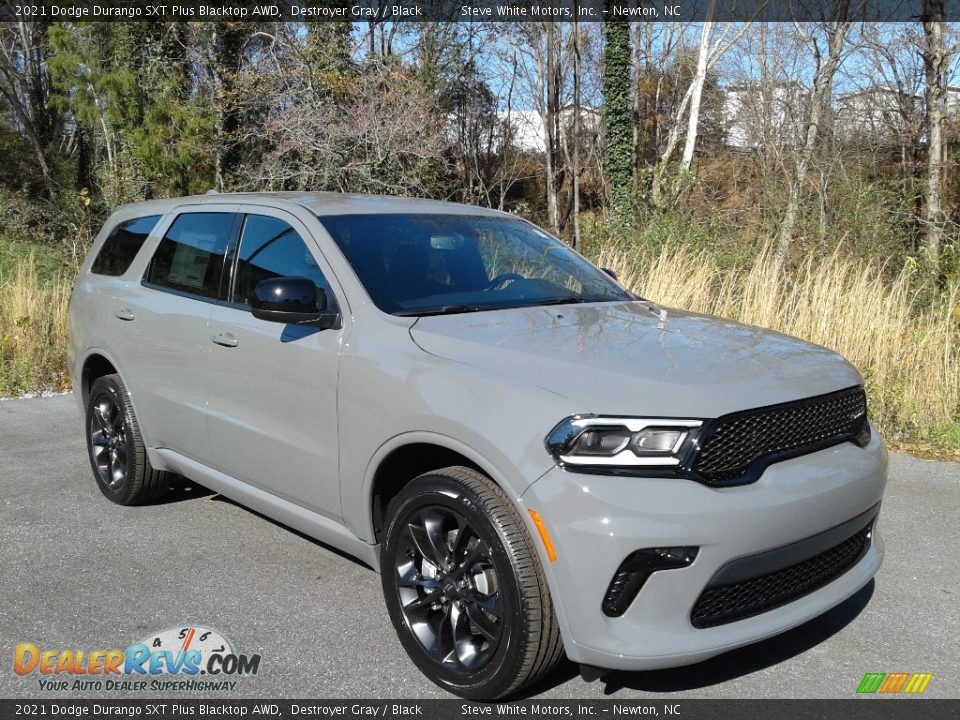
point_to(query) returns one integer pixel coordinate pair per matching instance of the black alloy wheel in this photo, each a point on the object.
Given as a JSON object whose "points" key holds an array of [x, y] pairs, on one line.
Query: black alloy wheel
{"points": [[464, 586], [108, 441], [448, 587], [117, 452]]}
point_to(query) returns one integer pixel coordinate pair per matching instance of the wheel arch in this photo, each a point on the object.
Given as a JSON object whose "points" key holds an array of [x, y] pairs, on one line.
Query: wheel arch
{"points": [[406, 457], [96, 364]]}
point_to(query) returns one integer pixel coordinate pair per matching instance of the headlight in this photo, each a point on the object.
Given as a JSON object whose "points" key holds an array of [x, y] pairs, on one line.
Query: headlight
{"points": [[618, 442]]}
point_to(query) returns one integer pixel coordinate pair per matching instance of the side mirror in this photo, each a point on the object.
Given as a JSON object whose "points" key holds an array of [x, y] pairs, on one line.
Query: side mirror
{"points": [[610, 272], [292, 300]]}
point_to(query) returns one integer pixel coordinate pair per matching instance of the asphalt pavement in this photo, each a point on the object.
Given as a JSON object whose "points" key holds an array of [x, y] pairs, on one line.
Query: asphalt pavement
{"points": [[81, 573]]}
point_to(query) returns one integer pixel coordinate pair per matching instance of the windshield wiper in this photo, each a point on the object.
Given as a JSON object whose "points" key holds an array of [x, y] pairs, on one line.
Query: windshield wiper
{"points": [[455, 309], [441, 310], [561, 301]]}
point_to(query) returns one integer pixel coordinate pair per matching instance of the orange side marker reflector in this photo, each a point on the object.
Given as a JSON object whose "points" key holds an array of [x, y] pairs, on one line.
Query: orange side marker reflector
{"points": [[541, 528]]}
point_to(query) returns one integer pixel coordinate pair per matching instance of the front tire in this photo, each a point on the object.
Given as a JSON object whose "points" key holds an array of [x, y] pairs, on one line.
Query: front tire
{"points": [[118, 456], [464, 587]]}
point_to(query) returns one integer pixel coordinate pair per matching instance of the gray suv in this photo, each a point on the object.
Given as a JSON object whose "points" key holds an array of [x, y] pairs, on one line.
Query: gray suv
{"points": [[537, 461]]}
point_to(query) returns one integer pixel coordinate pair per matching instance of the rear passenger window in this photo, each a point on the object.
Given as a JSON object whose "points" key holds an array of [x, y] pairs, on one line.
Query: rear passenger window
{"points": [[270, 248], [122, 246], [190, 256]]}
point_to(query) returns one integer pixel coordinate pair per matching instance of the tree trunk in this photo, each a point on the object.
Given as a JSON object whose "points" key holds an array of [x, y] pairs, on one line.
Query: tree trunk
{"points": [[636, 116], [228, 42], [617, 120], [673, 138], [934, 65], [707, 57], [25, 86], [551, 124], [576, 129], [820, 97], [699, 79]]}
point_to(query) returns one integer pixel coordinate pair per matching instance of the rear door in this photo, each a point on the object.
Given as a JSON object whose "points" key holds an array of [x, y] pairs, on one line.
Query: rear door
{"points": [[167, 316], [273, 395]]}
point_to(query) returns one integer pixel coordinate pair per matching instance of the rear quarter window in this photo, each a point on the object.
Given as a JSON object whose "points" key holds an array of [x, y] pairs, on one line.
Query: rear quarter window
{"points": [[122, 245]]}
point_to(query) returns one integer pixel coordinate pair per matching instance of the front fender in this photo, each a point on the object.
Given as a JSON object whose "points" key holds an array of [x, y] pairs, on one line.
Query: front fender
{"points": [[507, 475]]}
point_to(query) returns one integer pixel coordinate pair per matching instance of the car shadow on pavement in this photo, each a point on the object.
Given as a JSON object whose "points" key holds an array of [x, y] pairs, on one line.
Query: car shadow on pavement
{"points": [[329, 548], [748, 659], [730, 665], [182, 489]]}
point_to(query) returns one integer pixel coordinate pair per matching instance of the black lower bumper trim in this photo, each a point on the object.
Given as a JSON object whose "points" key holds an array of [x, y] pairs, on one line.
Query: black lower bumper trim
{"points": [[758, 583]]}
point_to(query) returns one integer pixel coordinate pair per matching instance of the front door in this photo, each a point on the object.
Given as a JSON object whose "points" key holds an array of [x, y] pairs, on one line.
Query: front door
{"points": [[273, 395]]}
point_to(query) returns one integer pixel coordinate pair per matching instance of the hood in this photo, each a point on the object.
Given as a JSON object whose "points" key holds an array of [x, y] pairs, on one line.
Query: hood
{"points": [[622, 359]]}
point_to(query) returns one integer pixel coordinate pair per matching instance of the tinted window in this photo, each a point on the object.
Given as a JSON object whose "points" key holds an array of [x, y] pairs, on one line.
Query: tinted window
{"points": [[190, 256], [271, 248], [122, 245], [420, 264]]}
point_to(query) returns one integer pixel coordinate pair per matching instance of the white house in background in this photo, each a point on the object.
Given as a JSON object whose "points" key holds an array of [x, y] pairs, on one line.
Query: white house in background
{"points": [[953, 102], [884, 113], [527, 129], [757, 113], [879, 113], [528, 126]]}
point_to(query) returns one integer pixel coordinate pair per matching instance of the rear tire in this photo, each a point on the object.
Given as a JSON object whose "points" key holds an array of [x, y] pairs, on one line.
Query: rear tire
{"points": [[464, 586], [115, 446]]}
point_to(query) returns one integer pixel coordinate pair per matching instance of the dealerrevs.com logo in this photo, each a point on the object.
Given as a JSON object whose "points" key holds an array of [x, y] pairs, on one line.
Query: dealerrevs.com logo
{"points": [[178, 658]]}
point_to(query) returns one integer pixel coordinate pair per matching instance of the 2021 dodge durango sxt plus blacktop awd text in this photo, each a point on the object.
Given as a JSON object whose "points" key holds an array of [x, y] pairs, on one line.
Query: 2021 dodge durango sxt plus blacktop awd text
{"points": [[536, 460]]}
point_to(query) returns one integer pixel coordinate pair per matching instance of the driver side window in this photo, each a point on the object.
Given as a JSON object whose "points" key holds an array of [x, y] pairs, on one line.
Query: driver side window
{"points": [[269, 248]]}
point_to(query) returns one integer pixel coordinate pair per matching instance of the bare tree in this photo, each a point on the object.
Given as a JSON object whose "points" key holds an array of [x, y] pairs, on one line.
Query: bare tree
{"points": [[482, 139], [886, 107], [827, 42], [538, 47], [551, 125], [25, 85], [710, 51], [384, 137], [655, 46], [936, 58], [577, 43]]}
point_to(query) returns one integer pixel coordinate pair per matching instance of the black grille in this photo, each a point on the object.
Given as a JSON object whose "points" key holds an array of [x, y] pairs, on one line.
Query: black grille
{"points": [[736, 442], [726, 603]]}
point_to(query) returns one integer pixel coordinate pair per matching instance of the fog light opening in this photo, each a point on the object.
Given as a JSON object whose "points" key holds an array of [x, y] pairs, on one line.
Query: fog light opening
{"points": [[636, 569]]}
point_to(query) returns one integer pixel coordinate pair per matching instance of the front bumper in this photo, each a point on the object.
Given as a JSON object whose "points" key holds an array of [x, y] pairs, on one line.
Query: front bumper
{"points": [[595, 521]]}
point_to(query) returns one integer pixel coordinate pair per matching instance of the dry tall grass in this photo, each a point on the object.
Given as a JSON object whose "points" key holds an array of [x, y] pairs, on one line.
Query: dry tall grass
{"points": [[33, 330], [910, 356]]}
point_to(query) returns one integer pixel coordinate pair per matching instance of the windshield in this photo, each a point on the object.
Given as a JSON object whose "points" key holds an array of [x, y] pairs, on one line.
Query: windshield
{"points": [[422, 264]]}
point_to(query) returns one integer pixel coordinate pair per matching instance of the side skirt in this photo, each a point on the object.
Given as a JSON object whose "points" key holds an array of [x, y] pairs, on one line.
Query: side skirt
{"points": [[306, 521]]}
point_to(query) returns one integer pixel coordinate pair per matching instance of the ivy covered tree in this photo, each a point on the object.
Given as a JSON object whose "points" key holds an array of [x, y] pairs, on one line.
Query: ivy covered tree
{"points": [[617, 122]]}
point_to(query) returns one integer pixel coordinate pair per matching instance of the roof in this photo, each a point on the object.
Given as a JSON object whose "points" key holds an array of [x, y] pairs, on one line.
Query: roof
{"points": [[878, 90], [755, 85], [319, 203]]}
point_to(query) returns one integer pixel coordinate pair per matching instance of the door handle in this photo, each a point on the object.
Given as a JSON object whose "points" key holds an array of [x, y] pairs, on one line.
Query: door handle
{"points": [[124, 314], [225, 339]]}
